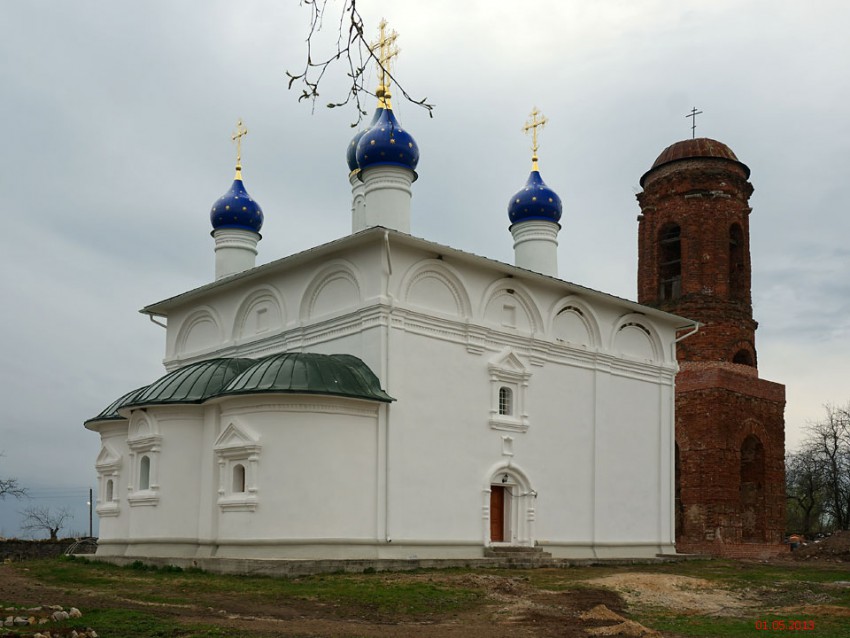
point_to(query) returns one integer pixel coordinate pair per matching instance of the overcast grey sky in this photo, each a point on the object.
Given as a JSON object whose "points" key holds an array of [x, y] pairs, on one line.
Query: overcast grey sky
{"points": [[116, 134]]}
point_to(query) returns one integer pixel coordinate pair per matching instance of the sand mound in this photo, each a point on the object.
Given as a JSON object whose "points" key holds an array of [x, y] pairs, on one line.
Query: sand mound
{"points": [[695, 595]]}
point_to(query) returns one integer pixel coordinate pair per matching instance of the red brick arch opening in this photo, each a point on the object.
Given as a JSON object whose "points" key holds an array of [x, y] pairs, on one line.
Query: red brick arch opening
{"points": [[743, 357], [669, 262], [752, 490], [737, 264]]}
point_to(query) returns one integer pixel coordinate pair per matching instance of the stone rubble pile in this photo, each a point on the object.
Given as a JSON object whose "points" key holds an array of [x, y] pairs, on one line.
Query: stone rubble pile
{"points": [[18, 618]]}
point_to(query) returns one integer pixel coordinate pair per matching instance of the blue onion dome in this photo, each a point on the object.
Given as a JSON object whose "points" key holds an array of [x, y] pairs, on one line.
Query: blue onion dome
{"points": [[387, 143], [351, 153], [535, 201], [236, 209]]}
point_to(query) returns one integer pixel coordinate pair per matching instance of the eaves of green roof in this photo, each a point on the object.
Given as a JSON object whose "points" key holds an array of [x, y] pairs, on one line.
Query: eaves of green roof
{"points": [[310, 373], [110, 412], [194, 383]]}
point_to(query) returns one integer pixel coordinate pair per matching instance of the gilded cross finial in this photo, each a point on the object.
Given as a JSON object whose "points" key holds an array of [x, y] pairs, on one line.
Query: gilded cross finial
{"points": [[537, 120], [693, 114], [385, 49], [241, 132]]}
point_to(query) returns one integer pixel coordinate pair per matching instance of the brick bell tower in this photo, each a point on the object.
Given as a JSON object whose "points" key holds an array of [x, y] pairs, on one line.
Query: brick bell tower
{"points": [[694, 261]]}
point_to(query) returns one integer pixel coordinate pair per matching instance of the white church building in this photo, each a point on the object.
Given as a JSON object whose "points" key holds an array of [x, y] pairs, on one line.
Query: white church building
{"points": [[384, 396]]}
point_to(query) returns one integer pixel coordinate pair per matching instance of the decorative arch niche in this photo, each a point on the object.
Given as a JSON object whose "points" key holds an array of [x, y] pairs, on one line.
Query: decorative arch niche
{"points": [[200, 331], [261, 312], [332, 290], [507, 304], [573, 322], [432, 285], [634, 337]]}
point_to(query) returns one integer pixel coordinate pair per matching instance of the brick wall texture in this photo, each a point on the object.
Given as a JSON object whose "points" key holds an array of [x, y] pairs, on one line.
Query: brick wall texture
{"points": [[694, 261]]}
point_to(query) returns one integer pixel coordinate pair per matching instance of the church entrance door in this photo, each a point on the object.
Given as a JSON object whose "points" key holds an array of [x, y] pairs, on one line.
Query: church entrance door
{"points": [[497, 513]]}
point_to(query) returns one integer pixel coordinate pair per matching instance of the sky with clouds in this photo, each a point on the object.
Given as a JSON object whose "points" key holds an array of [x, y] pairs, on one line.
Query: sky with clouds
{"points": [[116, 141]]}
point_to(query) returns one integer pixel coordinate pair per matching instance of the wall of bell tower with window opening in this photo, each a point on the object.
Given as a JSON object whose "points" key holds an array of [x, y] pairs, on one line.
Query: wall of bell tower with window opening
{"points": [[694, 261]]}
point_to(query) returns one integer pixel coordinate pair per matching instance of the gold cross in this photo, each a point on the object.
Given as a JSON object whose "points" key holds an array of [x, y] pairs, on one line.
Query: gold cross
{"points": [[385, 50], [241, 132], [532, 125]]}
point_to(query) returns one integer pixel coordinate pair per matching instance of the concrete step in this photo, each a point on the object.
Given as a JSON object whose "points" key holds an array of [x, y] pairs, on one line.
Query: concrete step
{"points": [[516, 552]]}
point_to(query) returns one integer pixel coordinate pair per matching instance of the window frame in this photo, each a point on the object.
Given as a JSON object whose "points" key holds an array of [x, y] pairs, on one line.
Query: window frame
{"points": [[508, 373], [146, 446], [108, 467], [237, 446]]}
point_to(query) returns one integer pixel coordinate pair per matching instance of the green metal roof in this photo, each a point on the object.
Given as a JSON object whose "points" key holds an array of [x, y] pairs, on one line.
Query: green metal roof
{"points": [[310, 373], [194, 383], [291, 372], [110, 412]]}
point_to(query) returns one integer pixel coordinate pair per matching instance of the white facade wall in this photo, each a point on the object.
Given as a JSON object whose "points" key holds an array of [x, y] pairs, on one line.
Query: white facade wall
{"points": [[587, 453]]}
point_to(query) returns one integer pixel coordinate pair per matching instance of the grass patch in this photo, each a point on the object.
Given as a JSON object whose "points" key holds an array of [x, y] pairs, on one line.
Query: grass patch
{"points": [[433, 596], [375, 596], [126, 622], [141, 624]]}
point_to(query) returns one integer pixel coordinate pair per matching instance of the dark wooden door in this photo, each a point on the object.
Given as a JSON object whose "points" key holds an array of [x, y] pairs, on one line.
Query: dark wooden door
{"points": [[497, 513]]}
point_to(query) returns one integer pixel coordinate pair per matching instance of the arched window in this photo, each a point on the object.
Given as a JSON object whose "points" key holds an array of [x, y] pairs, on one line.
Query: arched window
{"points": [[109, 491], [670, 262], [238, 478], [145, 473], [737, 267], [752, 490], [506, 401], [743, 357]]}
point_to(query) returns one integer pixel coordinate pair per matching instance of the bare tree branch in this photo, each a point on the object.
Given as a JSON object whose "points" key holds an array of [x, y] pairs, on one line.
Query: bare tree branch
{"points": [[11, 487], [45, 519], [823, 467], [353, 49], [805, 489]]}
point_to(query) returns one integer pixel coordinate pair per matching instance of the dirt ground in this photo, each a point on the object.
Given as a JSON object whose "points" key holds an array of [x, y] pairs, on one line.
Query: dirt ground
{"points": [[597, 607], [515, 610], [835, 547]]}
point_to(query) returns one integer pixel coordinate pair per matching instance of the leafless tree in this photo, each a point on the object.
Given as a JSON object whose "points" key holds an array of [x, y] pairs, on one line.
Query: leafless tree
{"points": [[45, 519], [352, 50], [805, 490], [11, 487], [827, 449]]}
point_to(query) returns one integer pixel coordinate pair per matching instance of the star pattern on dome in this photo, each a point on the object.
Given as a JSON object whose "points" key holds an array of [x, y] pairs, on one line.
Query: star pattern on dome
{"points": [[384, 141], [535, 201], [248, 213]]}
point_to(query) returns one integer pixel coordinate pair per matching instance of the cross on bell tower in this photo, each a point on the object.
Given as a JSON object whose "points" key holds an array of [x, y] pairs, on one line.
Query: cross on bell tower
{"points": [[693, 115]]}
